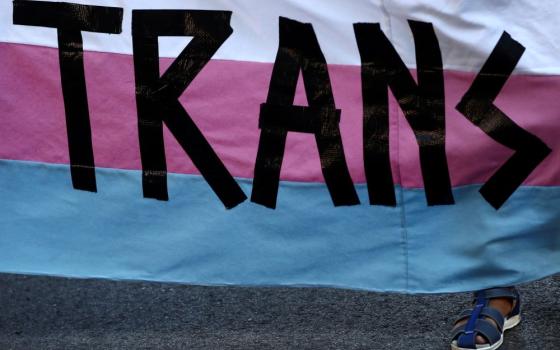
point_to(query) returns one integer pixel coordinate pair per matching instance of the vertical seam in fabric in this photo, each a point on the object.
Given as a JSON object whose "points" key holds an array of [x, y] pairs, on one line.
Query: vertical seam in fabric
{"points": [[394, 112], [404, 233]]}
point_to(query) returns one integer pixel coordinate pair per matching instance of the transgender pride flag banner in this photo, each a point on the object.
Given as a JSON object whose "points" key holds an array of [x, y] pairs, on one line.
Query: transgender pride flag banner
{"points": [[409, 146]]}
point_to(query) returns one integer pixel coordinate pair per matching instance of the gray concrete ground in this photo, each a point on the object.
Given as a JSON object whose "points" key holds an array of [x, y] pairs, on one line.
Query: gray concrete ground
{"points": [[56, 313]]}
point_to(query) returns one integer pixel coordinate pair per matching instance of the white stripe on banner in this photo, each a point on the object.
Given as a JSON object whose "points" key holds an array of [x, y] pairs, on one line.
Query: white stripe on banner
{"points": [[467, 30]]}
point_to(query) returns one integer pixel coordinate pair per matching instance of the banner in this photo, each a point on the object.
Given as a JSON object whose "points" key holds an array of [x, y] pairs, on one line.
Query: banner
{"points": [[406, 146]]}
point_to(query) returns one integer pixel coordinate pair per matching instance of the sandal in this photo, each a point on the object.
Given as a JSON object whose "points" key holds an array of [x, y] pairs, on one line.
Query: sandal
{"points": [[464, 335]]}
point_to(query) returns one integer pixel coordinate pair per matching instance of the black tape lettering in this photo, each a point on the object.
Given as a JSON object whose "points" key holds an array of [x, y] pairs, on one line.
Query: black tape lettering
{"points": [[157, 97], [477, 105], [70, 20], [299, 49], [423, 105]]}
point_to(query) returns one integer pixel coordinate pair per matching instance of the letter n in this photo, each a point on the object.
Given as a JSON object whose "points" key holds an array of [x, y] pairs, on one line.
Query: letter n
{"points": [[423, 105]]}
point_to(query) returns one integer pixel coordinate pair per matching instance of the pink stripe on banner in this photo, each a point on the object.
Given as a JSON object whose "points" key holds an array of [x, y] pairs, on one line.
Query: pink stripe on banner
{"points": [[224, 102]]}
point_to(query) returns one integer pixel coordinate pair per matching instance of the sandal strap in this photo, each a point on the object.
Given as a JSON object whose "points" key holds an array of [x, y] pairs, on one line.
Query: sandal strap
{"points": [[481, 316], [487, 311], [467, 339], [493, 293], [456, 331], [502, 292], [488, 331], [494, 315], [464, 314]]}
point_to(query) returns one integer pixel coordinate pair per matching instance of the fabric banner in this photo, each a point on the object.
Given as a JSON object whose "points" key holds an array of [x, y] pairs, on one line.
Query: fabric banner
{"points": [[408, 146]]}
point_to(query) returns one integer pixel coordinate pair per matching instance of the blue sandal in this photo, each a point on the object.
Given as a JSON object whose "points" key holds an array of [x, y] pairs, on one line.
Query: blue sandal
{"points": [[464, 336]]}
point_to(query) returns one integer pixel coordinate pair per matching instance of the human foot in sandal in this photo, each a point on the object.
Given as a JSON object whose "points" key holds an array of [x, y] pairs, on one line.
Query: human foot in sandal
{"points": [[495, 311]]}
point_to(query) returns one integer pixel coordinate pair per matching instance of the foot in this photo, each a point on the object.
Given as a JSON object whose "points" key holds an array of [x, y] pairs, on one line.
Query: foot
{"points": [[494, 311], [504, 305]]}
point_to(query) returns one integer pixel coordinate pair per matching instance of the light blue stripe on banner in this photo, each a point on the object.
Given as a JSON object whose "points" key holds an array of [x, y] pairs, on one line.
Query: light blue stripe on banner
{"points": [[49, 228]]}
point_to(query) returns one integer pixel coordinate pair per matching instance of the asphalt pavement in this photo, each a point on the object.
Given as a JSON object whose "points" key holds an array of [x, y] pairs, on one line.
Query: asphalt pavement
{"points": [[45, 313]]}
